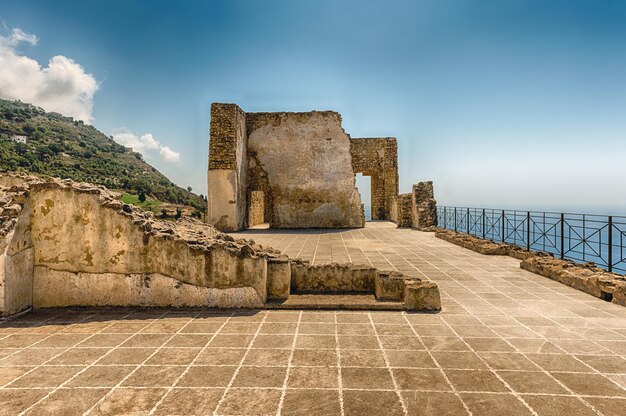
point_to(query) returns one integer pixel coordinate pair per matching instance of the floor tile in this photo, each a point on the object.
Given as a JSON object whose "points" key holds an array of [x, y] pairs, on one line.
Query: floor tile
{"points": [[359, 403]]}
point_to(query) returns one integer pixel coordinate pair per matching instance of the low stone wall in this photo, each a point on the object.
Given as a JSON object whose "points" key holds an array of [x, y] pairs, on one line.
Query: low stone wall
{"points": [[333, 277], [386, 286], [584, 277], [73, 244]]}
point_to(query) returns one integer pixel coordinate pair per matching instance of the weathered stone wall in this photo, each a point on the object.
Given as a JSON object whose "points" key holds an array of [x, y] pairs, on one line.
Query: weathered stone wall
{"points": [[74, 231], [424, 206], [16, 252], [405, 210], [378, 158], [302, 161], [417, 209], [227, 174]]}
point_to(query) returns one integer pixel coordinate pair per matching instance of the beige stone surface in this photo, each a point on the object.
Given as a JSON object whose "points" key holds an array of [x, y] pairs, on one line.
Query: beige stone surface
{"points": [[306, 160], [52, 288], [278, 278]]}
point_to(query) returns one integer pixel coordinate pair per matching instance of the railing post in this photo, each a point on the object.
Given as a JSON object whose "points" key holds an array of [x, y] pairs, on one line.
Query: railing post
{"points": [[483, 223], [502, 239], [445, 218], [468, 222], [528, 231], [610, 259], [455, 227], [562, 236]]}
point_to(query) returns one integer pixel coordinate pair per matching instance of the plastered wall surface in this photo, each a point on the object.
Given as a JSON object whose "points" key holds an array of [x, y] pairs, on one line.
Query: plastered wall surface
{"points": [[305, 158]]}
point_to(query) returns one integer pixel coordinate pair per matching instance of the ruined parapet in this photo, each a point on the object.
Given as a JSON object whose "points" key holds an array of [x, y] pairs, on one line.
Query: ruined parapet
{"points": [[584, 277], [378, 158], [424, 206]]}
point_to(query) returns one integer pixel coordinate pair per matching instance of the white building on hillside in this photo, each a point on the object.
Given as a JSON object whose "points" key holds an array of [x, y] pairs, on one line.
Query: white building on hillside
{"points": [[18, 138]]}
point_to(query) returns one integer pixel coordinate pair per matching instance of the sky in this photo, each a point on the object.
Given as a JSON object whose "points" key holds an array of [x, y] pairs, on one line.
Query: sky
{"points": [[503, 104]]}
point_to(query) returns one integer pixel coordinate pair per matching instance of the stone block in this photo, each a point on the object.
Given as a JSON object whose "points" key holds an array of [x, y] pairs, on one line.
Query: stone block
{"points": [[389, 286], [421, 295], [332, 278], [278, 278]]}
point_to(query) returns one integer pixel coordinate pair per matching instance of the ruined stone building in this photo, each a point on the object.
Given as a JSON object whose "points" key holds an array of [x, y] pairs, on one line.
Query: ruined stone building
{"points": [[295, 170]]}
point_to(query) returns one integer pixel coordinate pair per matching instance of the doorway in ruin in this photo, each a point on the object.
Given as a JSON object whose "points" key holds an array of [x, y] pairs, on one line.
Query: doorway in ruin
{"points": [[364, 185], [256, 210]]}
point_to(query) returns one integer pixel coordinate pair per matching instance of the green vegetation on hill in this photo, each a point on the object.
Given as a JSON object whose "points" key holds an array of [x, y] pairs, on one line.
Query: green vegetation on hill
{"points": [[63, 147]]}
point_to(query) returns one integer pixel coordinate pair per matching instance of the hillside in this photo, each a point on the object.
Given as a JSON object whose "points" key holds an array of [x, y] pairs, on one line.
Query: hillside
{"points": [[62, 147]]}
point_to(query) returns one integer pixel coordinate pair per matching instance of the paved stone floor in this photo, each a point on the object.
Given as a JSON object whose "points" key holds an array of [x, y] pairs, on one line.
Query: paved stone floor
{"points": [[507, 342]]}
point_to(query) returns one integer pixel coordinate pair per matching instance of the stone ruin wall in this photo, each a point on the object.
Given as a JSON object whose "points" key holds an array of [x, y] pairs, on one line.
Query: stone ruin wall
{"points": [[77, 244], [378, 158], [418, 209], [297, 170], [227, 175], [423, 206], [301, 161], [71, 244]]}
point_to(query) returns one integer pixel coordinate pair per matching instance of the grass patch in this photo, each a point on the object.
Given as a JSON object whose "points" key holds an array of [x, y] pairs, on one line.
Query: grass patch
{"points": [[148, 204]]}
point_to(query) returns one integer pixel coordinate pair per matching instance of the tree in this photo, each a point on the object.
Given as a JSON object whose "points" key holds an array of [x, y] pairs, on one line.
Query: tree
{"points": [[189, 188], [142, 197]]}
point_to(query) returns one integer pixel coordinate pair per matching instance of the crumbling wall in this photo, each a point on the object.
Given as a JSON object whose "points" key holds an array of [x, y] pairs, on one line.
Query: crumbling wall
{"points": [[404, 210], [88, 232], [16, 250], [417, 209], [424, 206], [302, 161], [378, 158], [228, 163]]}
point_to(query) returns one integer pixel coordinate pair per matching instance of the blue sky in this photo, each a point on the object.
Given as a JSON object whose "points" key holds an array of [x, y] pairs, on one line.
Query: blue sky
{"points": [[515, 104]]}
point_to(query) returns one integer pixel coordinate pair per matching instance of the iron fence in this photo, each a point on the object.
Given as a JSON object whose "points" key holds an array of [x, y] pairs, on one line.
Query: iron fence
{"points": [[600, 239]]}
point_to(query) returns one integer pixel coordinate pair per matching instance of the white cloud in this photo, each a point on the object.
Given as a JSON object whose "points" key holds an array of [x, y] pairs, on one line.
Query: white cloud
{"points": [[63, 86], [144, 144], [168, 155], [137, 143]]}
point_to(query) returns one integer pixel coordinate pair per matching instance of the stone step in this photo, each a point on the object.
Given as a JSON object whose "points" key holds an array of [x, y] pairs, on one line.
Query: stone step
{"points": [[334, 301]]}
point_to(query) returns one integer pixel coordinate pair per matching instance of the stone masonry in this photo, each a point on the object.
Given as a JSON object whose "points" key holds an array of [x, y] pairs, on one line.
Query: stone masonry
{"points": [[378, 158], [300, 165]]}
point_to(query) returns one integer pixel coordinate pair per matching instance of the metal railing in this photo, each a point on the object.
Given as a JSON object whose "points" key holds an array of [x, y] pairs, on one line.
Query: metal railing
{"points": [[583, 238]]}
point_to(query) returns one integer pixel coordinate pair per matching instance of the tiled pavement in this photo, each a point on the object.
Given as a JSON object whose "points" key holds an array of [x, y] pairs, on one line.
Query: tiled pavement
{"points": [[507, 342]]}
